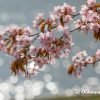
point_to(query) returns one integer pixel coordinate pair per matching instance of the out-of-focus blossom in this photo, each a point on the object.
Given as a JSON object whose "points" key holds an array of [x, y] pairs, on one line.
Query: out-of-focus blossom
{"points": [[2, 44], [91, 3], [98, 54], [89, 59]]}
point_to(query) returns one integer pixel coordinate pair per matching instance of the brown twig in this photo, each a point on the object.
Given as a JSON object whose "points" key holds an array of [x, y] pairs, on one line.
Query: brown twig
{"points": [[35, 38], [37, 34]]}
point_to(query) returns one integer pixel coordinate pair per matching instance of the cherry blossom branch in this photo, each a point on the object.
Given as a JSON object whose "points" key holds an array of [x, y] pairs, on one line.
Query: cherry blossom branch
{"points": [[33, 34], [19, 42], [81, 60], [57, 26], [37, 34], [90, 18]]}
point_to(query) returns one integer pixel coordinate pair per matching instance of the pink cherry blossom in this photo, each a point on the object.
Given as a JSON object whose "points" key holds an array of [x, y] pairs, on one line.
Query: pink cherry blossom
{"points": [[40, 61], [53, 37], [98, 54], [91, 3], [84, 10], [95, 27], [23, 40], [84, 28], [81, 60], [32, 50], [89, 18], [2, 44], [37, 20], [89, 60], [46, 39], [12, 29]]}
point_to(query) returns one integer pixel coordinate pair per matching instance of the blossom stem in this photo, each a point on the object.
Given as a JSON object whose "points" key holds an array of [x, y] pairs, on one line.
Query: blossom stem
{"points": [[35, 38], [76, 15], [74, 29], [55, 26], [37, 34]]}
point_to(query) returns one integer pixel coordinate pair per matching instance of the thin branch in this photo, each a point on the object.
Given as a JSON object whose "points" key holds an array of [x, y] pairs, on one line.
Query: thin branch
{"points": [[35, 38], [54, 26], [71, 31], [37, 34], [74, 29], [76, 15], [34, 35]]}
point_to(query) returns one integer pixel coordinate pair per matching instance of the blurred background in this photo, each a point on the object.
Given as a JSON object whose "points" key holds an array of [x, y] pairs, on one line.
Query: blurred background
{"points": [[53, 80]]}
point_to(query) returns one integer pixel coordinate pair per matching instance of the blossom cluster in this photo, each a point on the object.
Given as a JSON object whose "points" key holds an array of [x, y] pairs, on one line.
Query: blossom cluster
{"points": [[14, 38], [52, 47], [18, 41], [90, 18], [65, 10], [54, 39], [58, 17], [81, 60], [50, 50]]}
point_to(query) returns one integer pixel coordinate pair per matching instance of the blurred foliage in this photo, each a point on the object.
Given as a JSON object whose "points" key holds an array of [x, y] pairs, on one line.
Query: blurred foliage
{"points": [[94, 97]]}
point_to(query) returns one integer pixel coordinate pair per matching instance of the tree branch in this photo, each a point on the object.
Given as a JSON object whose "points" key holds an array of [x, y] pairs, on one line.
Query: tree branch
{"points": [[37, 34]]}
